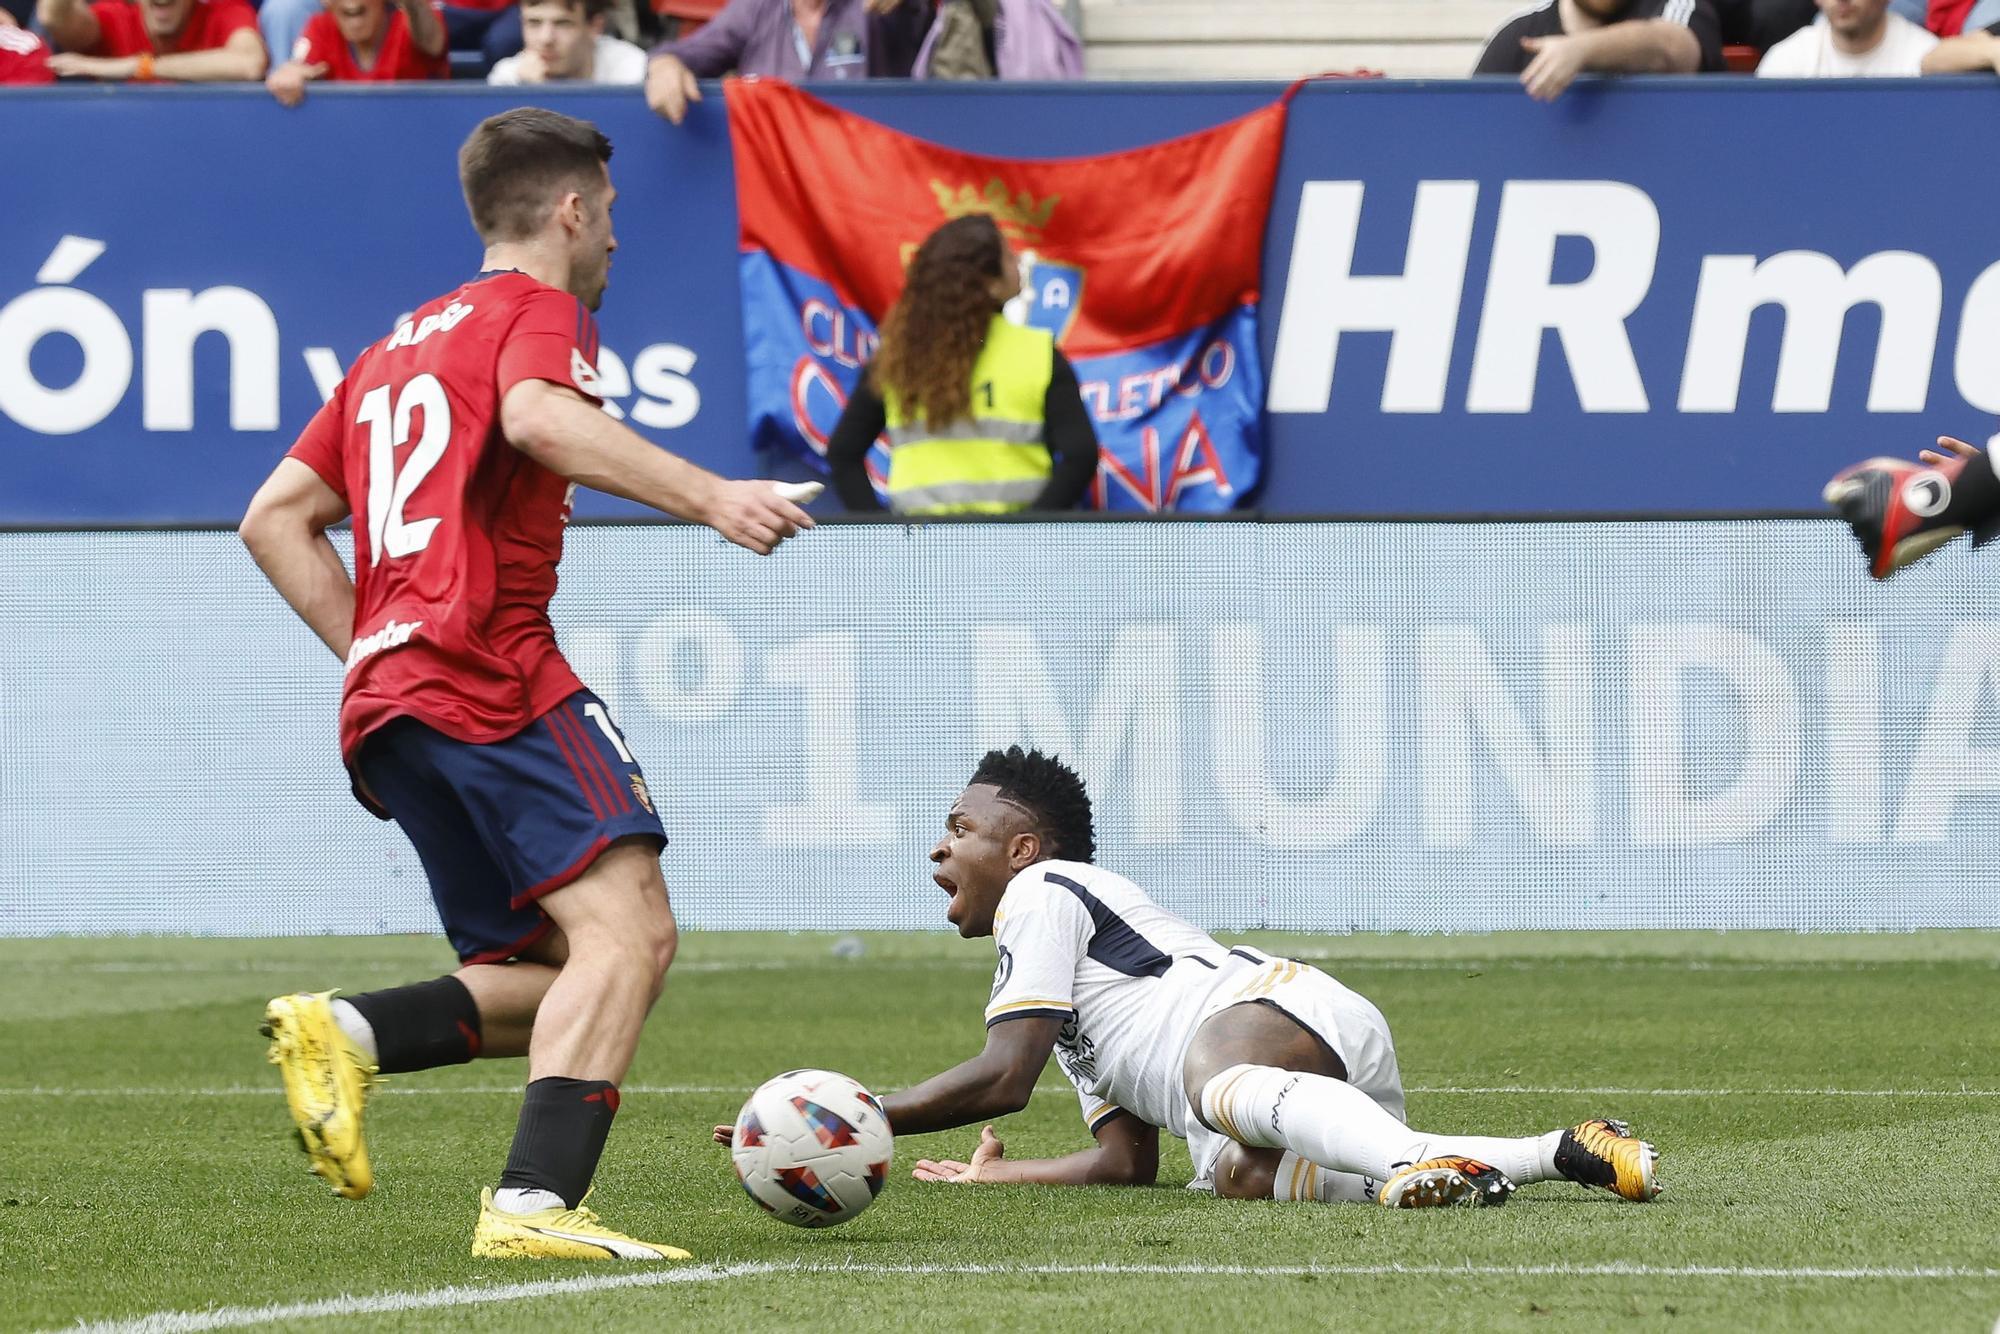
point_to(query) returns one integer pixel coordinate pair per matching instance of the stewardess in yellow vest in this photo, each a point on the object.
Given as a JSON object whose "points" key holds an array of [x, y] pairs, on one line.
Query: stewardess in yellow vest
{"points": [[982, 415]]}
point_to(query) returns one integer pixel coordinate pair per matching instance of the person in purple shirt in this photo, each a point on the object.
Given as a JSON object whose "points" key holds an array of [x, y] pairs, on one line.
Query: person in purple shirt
{"points": [[789, 39]]}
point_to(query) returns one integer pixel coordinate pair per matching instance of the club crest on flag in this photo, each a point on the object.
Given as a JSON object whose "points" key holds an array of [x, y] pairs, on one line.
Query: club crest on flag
{"points": [[1051, 295]]}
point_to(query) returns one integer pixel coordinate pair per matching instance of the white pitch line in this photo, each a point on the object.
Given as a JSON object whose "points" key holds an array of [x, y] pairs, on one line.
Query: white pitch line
{"points": [[983, 964], [1495, 1090], [1500, 1089], [1329, 962], [388, 1303]]}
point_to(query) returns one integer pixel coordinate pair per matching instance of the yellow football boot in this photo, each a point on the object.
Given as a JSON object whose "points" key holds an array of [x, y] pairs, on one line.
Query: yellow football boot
{"points": [[1602, 1152], [557, 1234], [327, 1079], [1446, 1183]]}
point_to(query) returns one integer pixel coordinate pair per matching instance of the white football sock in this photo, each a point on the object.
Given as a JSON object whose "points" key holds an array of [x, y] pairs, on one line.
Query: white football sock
{"points": [[516, 1200], [1341, 1128], [1302, 1179], [358, 1029]]}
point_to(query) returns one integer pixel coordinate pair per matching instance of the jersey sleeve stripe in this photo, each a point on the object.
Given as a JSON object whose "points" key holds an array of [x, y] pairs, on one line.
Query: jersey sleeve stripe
{"points": [[1103, 1116], [1064, 1006], [1029, 1010]]}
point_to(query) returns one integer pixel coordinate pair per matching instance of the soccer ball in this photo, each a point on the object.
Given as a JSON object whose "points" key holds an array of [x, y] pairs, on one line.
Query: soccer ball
{"points": [[812, 1148]]}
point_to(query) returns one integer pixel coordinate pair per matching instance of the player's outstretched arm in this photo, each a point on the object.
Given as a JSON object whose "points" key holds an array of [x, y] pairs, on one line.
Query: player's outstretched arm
{"points": [[1127, 1154], [994, 1083], [570, 436], [285, 529]]}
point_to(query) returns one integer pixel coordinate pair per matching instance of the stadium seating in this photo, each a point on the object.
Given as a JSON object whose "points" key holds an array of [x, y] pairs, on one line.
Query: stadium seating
{"points": [[1179, 39]]}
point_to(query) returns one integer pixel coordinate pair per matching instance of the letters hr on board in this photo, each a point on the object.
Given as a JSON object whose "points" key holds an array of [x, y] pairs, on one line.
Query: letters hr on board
{"points": [[1420, 308]]}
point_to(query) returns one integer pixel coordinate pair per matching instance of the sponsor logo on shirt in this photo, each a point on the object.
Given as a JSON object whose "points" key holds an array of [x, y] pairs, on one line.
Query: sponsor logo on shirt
{"points": [[392, 635]]}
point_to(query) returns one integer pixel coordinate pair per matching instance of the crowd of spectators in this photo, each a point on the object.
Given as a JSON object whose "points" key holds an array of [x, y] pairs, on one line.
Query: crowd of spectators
{"points": [[671, 45], [1549, 46], [290, 44]]}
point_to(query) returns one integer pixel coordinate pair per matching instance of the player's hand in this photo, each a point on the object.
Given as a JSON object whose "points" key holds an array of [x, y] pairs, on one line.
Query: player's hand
{"points": [[948, 1171], [288, 82], [670, 86], [726, 1135], [1952, 449], [529, 67], [1557, 62], [755, 515]]}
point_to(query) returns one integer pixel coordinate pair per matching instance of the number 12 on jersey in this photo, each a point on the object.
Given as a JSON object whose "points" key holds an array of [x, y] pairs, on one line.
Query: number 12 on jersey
{"points": [[389, 490]]}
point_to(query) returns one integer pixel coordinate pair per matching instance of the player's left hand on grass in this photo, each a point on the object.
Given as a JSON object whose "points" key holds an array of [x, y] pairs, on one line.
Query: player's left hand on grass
{"points": [[949, 1171], [725, 1135]]}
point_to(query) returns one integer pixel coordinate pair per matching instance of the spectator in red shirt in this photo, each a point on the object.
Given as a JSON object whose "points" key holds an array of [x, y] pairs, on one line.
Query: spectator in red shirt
{"points": [[23, 58], [364, 41], [201, 41]]}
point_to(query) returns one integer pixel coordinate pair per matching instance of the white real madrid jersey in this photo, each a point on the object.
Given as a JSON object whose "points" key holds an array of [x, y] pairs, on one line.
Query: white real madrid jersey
{"points": [[1129, 979]]}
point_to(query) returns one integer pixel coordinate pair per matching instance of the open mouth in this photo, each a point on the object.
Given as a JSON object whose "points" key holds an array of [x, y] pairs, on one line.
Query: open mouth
{"points": [[946, 883]]}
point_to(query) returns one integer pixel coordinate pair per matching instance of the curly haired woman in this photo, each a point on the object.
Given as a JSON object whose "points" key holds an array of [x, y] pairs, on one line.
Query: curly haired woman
{"points": [[983, 416]]}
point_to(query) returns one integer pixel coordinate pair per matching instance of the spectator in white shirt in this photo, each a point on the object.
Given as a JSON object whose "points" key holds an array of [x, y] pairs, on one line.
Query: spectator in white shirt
{"points": [[564, 40], [1853, 39]]}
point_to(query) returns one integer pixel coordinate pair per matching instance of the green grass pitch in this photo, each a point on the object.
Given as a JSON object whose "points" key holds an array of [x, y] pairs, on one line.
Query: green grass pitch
{"points": [[1828, 1107]]}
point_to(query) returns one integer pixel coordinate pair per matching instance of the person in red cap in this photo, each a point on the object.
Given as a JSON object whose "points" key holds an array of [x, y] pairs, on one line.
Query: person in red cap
{"points": [[199, 41]]}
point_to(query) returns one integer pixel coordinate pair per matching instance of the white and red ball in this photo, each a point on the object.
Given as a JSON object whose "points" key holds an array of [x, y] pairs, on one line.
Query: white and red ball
{"points": [[812, 1148]]}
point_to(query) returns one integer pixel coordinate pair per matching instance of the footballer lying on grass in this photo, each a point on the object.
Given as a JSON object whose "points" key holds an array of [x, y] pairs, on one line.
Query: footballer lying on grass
{"points": [[1282, 1081]]}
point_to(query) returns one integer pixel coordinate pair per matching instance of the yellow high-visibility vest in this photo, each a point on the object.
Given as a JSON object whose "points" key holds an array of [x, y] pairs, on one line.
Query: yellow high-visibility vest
{"points": [[992, 462]]}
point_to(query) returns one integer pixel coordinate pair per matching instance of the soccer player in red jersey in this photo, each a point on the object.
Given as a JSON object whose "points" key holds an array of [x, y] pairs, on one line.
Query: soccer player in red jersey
{"points": [[193, 40], [456, 443], [356, 41]]}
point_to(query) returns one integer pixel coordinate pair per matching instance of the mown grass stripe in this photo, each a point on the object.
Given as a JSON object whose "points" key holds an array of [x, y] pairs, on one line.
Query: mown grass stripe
{"points": [[391, 1303]]}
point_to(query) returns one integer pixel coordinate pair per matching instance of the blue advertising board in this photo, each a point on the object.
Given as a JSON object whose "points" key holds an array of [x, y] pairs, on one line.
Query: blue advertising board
{"points": [[1667, 296]]}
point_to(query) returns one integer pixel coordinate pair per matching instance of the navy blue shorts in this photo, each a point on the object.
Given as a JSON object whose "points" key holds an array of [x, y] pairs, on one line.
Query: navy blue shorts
{"points": [[499, 824]]}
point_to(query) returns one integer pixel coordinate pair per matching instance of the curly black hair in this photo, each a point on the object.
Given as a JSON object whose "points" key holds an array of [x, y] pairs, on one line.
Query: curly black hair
{"points": [[1048, 790]]}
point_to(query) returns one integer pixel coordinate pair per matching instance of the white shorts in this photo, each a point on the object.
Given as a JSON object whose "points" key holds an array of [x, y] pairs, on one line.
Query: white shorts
{"points": [[1345, 1020]]}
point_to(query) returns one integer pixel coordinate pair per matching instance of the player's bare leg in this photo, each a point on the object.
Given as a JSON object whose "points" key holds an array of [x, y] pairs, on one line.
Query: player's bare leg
{"points": [[1257, 1075], [509, 995], [621, 938]]}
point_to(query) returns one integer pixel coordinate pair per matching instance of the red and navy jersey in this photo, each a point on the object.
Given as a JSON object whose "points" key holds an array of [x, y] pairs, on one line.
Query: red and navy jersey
{"points": [[456, 532]]}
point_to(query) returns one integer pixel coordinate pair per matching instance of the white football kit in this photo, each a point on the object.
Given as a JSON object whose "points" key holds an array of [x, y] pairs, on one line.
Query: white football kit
{"points": [[1132, 983]]}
